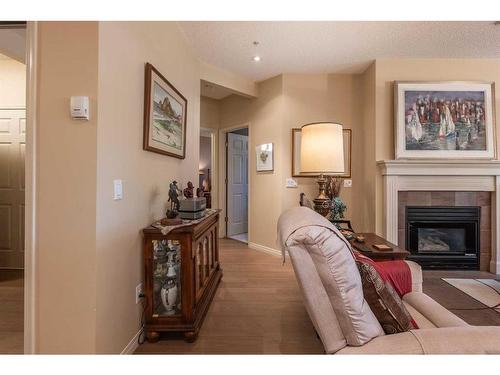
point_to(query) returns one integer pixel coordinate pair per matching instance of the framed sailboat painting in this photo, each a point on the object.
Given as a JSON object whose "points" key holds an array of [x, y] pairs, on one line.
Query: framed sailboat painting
{"points": [[444, 120]]}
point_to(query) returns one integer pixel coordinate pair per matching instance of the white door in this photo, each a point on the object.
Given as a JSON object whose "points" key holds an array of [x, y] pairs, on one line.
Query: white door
{"points": [[237, 184], [12, 148]]}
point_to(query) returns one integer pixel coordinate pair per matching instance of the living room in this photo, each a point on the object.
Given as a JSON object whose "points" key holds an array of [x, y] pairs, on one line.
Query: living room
{"points": [[304, 141]]}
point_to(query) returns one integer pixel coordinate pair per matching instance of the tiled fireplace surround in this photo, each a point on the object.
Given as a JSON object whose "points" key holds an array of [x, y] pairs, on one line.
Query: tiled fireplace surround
{"points": [[446, 183]]}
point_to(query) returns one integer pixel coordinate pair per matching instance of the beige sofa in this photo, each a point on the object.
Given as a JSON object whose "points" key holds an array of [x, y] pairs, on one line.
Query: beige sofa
{"points": [[332, 293]]}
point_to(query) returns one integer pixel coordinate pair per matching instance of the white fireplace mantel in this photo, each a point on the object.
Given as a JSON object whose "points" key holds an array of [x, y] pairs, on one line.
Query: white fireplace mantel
{"points": [[446, 175]]}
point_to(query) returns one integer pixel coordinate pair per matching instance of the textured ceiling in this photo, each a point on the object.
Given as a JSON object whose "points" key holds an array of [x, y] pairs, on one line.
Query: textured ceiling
{"points": [[13, 43], [334, 47], [214, 91]]}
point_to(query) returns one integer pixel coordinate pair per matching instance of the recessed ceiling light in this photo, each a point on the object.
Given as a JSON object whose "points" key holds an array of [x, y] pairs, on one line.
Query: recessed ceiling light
{"points": [[256, 58]]}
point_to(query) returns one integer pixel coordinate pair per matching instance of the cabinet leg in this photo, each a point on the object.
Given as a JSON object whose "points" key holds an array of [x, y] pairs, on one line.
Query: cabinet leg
{"points": [[190, 336], [152, 336]]}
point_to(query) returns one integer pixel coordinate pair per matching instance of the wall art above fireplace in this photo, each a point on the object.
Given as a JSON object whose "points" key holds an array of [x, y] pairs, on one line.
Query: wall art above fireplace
{"points": [[444, 120]]}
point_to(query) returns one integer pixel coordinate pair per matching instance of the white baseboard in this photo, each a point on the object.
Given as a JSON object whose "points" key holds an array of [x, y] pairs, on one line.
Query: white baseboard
{"points": [[133, 344], [265, 249]]}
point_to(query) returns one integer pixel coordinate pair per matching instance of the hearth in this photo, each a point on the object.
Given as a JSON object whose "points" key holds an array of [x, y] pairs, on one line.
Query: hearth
{"points": [[442, 237]]}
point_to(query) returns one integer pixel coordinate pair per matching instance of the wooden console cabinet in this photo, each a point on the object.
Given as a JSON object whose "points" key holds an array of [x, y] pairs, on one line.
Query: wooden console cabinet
{"points": [[182, 272]]}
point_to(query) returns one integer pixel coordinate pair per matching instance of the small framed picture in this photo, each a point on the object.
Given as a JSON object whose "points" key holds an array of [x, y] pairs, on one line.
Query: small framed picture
{"points": [[165, 111], [444, 120], [264, 154], [296, 170]]}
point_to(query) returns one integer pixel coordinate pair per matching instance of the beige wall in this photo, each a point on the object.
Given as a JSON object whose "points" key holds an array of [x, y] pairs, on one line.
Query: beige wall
{"points": [[286, 102], [89, 255], [123, 50], [205, 154], [264, 116], [389, 70], [66, 194], [12, 83], [323, 97], [209, 113]]}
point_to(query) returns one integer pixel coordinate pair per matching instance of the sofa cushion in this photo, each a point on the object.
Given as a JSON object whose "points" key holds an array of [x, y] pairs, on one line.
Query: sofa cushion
{"points": [[449, 340], [400, 343], [459, 340], [334, 263], [383, 300]]}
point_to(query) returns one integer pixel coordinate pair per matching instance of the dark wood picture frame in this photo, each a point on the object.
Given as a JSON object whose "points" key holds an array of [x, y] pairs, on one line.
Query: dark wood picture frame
{"points": [[151, 71], [346, 174]]}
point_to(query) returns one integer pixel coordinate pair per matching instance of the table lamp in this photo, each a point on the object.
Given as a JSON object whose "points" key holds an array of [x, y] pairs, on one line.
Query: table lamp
{"points": [[322, 152]]}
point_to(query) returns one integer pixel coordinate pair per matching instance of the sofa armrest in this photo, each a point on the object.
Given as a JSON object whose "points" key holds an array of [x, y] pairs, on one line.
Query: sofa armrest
{"points": [[448, 340], [416, 276]]}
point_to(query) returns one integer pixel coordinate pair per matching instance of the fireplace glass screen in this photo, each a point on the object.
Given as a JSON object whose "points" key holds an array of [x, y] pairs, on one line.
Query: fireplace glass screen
{"points": [[441, 239]]}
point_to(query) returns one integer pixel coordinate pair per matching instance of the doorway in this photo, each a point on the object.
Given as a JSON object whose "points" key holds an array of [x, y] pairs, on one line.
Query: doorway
{"points": [[13, 126], [207, 166], [237, 184]]}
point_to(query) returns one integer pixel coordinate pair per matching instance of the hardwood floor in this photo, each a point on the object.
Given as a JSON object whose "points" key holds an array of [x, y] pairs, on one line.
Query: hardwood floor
{"points": [[258, 308], [11, 311]]}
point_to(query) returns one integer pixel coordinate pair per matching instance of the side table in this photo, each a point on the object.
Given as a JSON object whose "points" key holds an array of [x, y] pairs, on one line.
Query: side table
{"points": [[366, 248]]}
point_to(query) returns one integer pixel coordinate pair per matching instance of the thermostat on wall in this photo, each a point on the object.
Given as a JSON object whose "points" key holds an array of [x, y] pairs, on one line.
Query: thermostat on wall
{"points": [[80, 107]]}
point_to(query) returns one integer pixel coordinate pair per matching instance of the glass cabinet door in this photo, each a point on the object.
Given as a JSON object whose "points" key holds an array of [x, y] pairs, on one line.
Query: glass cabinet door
{"points": [[166, 278]]}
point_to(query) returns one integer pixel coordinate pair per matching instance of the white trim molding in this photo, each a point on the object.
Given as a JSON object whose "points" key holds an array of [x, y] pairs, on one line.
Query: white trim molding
{"points": [[133, 344], [452, 175], [30, 204], [264, 249]]}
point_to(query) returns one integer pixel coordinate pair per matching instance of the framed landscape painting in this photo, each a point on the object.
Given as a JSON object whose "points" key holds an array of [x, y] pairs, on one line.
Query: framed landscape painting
{"points": [[444, 120], [296, 170], [165, 111]]}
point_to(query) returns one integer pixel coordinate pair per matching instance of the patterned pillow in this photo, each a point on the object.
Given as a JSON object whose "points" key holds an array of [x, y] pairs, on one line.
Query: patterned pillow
{"points": [[384, 301]]}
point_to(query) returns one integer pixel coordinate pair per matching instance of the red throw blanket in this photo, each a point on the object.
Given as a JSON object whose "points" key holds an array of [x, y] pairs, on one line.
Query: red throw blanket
{"points": [[396, 272]]}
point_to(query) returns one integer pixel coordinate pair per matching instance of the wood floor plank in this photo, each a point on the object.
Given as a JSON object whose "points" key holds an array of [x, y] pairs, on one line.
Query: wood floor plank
{"points": [[11, 311]]}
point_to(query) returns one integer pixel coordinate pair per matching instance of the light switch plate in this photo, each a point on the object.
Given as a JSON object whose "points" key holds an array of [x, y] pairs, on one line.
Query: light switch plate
{"points": [[347, 183], [291, 183], [117, 190]]}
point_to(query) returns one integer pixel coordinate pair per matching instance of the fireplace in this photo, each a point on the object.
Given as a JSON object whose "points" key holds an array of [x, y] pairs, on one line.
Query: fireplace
{"points": [[444, 237]]}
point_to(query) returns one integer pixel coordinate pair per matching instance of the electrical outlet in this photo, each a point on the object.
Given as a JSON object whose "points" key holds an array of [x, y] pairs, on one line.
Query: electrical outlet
{"points": [[139, 289], [347, 183]]}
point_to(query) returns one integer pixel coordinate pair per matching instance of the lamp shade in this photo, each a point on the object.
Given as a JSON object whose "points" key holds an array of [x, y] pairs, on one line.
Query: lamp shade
{"points": [[322, 148]]}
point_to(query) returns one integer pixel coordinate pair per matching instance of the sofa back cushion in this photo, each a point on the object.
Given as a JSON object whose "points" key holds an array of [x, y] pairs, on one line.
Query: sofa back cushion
{"points": [[335, 265], [316, 300]]}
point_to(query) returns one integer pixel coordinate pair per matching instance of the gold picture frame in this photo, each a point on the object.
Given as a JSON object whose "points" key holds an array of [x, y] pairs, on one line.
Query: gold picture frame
{"points": [[347, 134], [165, 114]]}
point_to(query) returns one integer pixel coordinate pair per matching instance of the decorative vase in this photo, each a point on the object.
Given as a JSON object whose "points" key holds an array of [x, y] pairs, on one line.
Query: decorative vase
{"points": [[338, 208], [163, 295], [172, 296], [171, 271]]}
